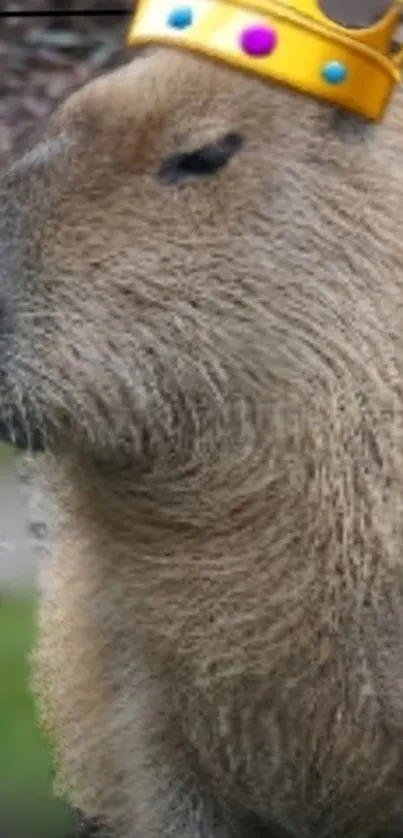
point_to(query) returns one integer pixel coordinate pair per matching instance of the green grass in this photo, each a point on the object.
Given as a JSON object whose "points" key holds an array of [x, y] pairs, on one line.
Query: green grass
{"points": [[7, 452], [25, 762], [23, 755]]}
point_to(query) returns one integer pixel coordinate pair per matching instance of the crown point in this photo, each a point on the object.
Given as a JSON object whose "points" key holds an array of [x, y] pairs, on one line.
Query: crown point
{"points": [[180, 17], [289, 41], [334, 72], [258, 40]]}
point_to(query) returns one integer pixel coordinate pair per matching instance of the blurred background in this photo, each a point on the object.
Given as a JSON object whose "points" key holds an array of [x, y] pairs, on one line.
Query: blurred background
{"points": [[41, 60]]}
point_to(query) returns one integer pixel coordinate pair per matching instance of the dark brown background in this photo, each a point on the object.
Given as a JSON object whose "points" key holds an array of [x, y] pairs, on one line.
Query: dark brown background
{"points": [[42, 58]]}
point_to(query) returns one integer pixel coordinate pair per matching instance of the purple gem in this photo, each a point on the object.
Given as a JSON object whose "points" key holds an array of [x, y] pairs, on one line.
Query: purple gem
{"points": [[258, 40]]}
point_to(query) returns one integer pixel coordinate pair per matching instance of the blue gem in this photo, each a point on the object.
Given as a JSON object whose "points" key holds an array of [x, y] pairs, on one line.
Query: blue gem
{"points": [[180, 17], [334, 72]]}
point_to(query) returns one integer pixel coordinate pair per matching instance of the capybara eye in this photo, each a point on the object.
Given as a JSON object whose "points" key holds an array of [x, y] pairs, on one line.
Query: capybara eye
{"points": [[206, 160]]}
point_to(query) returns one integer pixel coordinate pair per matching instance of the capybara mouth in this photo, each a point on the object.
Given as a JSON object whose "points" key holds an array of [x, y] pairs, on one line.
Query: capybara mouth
{"points": [[21, 431]]}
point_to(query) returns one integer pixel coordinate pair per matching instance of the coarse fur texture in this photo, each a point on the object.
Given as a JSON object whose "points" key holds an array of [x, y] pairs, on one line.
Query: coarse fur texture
{"points": [[215, 367]]}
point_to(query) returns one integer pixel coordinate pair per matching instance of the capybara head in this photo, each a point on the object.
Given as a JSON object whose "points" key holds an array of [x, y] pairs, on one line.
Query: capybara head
{"points": [[185, 252]]}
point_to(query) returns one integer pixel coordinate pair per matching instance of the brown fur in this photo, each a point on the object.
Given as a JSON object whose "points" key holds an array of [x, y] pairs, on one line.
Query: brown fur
{"points": [[218, 369]]}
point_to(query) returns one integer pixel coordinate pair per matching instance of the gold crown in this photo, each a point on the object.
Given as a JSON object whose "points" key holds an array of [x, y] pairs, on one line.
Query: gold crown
{"points": [[336, 50]]}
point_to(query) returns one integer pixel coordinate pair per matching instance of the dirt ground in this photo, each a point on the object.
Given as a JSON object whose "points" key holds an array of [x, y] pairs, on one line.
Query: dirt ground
{"points": [[23, 523], [18, 556], [42, 59]]}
